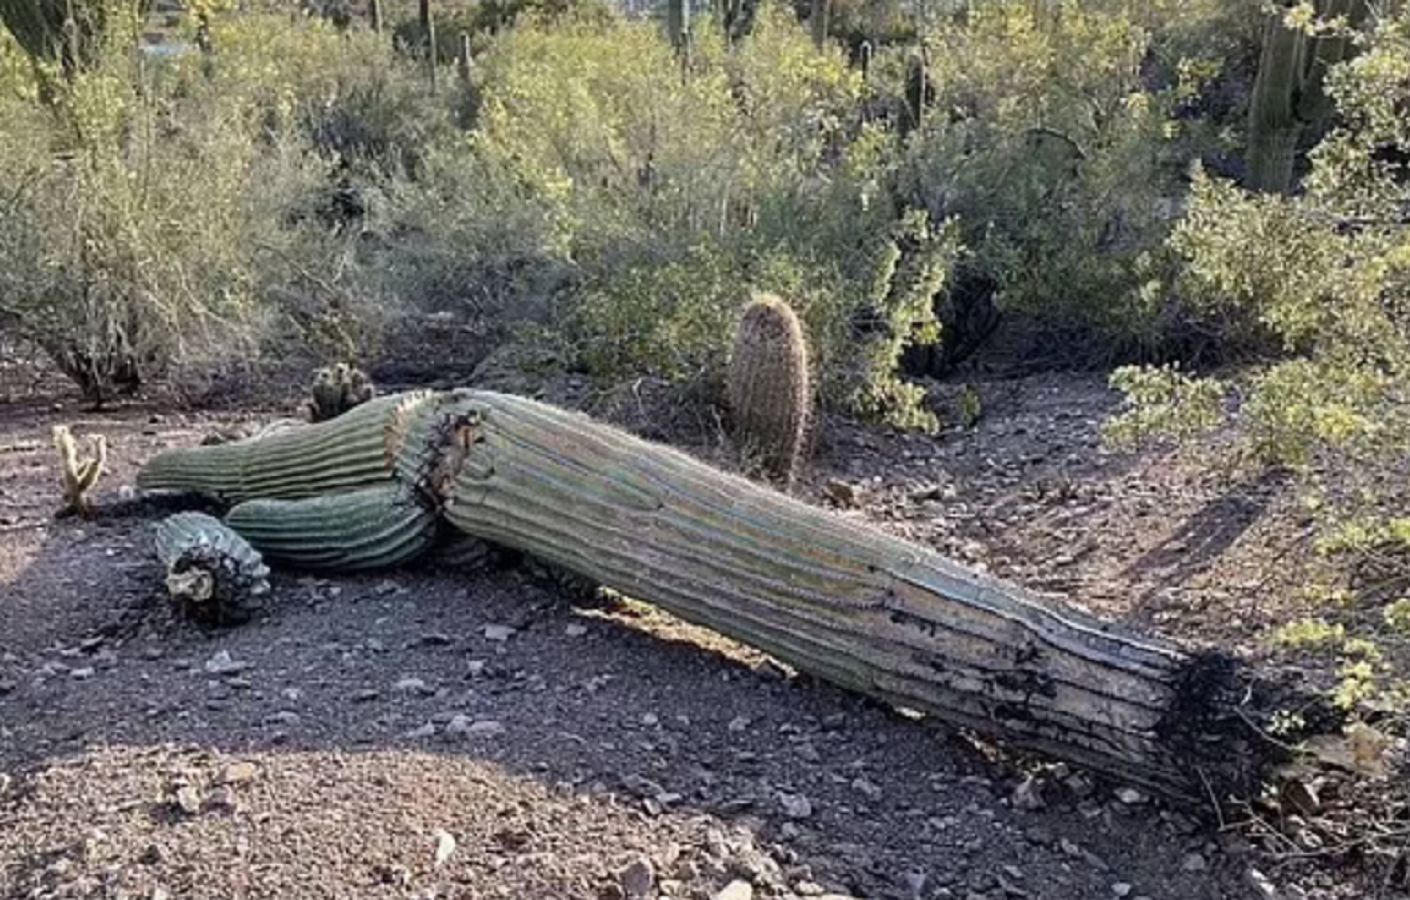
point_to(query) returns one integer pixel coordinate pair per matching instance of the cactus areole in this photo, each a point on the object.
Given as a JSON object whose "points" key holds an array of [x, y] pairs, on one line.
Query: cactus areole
{"points": [[845, 602]]}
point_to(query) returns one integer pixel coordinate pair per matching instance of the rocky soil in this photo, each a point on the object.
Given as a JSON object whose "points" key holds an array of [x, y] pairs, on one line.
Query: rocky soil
{"points": [[443, 734]]}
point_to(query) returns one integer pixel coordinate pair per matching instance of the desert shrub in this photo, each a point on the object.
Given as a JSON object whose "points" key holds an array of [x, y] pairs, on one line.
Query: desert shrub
{"points": [[1328, 274], [647, 205], [1064, 166], [150, 220]]}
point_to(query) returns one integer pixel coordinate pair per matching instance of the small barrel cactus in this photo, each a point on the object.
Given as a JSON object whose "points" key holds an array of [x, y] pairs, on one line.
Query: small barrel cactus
{"points": [[213, 574], [337, 389], [769, 393], [78, 475]]}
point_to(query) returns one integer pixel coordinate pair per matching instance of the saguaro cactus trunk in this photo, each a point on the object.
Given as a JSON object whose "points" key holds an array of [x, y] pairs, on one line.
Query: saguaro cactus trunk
{"points": [[848, 603], [845, 602]]}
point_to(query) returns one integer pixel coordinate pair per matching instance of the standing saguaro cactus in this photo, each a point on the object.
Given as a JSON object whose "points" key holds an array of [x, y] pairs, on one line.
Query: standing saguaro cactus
{"points": [[78, 476], [769, 392], [466, 63], [1289, 99], [678, 23], [819, 23]]}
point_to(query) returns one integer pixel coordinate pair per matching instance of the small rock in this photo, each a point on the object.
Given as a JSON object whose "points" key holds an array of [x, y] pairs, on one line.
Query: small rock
{"points": [[187, 800], [736, 890], [7, 686], [1130, 796], [485, 728], [160, 893], [795, 806], [224, 664], [410, 685], [1193, 862], [366, 695], [445, 846], [650, 720], [867, 788], [739, 724], [82, 674], [1029, 795], [1121, 889], [575, 630], [1262, 887], [459, 724], [638, 879], [437, 639], [497, 632], [237, 773], [424, 731]]}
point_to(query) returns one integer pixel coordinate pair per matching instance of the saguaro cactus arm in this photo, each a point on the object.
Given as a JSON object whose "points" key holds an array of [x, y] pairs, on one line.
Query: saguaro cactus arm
{"points": [[212, 574]]}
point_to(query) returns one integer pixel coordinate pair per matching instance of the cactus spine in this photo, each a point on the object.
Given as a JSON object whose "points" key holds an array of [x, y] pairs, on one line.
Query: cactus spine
{"points": [[769, 391], [338, 389], [78, 475], [212, 574]]}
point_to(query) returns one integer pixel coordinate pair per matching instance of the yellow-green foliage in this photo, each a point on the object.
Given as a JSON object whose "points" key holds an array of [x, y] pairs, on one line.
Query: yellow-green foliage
{"points": [[1326, 274], [1062, 164], [644, 204]]}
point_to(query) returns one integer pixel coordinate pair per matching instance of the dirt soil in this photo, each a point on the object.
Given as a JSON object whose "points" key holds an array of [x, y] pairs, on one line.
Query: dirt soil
{"points": [[447, 734]]}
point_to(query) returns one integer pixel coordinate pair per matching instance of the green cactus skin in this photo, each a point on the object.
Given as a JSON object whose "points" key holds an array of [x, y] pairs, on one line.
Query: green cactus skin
{"points": [[847, 603], [302, 461], [769, 393], [368, 528], [213, 575]]}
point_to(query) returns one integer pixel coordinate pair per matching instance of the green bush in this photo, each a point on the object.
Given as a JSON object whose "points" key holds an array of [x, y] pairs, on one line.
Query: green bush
{"points": [[634, 210], [1063, 166], [1327, 274]]}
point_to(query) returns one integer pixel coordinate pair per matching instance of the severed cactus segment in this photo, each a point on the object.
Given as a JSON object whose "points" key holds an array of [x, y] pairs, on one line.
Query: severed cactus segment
{"points": [[338, 389], [769, 393], [298, 461], [212, 574], [78, 476], [367, 528]]}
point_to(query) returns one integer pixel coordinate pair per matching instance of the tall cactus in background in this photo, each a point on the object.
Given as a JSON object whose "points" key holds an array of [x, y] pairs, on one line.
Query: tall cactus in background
{"points": [[69, 32], [818, 22], [769, 392], [1289, 100], [678, 23]]}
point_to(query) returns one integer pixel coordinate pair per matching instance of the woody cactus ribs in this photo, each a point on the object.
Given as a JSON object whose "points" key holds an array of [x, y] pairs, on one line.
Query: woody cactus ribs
{"points": [[848, 603]]}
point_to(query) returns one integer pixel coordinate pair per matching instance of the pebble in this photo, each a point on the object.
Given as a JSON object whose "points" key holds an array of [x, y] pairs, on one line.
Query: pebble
{"points": [[1193, 862], [1029, 795], [188, 800], [1262, 887], [82, 674], [410, 685], [638, 879], [224, 664], [445, 846], [366, 695], [437, 639], [497, 632], [237, 773], [575, 630], [736, 890], [739, 724], [1121, 889], [1130, 796], [459, 724], [795, 806]]}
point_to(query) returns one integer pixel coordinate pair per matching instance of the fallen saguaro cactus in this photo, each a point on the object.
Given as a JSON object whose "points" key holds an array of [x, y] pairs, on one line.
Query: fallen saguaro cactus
{"points": [[845, 602], [212, 574]]}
